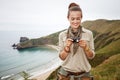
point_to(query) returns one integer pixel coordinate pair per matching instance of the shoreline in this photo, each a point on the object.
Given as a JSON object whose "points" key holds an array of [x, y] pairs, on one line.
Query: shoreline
{"points": [[45, 74], [52, 46], [40, 73]]}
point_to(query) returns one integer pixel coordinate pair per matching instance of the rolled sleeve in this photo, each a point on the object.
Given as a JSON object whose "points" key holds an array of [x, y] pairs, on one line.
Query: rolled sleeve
{"points": [[92, 45], [61, 44]]}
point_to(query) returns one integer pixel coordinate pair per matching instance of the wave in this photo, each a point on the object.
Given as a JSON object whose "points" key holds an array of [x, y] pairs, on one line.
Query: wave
{"points": [[55, 63]]}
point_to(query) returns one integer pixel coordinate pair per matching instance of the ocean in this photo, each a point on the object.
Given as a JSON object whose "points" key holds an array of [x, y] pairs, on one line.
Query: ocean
{"points": [[13, 61]]}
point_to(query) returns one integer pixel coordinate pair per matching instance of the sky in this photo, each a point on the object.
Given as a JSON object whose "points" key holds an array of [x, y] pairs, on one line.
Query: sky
{"points": [[51, 15]]}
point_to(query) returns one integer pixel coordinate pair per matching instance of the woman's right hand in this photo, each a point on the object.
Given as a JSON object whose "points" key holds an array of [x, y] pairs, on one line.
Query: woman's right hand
{"points": [[66, 50], [69, 42]]}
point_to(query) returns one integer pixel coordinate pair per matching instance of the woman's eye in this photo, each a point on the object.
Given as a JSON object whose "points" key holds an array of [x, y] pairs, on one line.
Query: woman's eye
{"points": [[78, 18], [75, 18], [72, 19]]}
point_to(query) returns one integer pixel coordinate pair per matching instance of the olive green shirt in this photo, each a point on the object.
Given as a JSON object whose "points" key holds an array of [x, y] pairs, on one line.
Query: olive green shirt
{"points": [[78, 62]]}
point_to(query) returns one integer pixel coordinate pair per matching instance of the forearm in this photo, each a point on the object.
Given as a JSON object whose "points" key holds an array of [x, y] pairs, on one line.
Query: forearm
{"points": [[89, 53], [63, 54]]}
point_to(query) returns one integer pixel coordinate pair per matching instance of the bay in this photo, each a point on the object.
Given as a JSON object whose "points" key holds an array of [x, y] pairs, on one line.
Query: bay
{"points": [[13, 61]]}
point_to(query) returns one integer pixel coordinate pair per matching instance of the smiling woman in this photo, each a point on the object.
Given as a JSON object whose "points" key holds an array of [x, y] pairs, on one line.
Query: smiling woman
{"points": [[76, 46]]}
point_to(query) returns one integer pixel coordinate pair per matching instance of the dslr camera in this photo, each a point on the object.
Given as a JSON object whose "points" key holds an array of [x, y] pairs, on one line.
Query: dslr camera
{"points": [[76, 40]]}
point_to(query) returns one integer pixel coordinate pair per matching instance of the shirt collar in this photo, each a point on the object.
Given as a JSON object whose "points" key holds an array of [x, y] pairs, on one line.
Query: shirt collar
{"points": [[83, 29]]}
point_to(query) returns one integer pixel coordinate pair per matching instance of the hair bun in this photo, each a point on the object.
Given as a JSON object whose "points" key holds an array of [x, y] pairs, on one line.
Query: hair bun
{"points": [[72, 5]]}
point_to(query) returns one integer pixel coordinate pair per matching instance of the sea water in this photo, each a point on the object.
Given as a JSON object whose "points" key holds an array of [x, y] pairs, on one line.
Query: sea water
{"points": [[13, 61]]}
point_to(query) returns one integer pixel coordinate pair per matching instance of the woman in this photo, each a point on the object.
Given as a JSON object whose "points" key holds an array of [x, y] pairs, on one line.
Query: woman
{"points": [[76, 47]]}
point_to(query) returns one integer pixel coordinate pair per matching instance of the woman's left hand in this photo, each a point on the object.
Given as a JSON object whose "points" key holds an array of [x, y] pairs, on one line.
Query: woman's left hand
{"points": [[83, 44]]}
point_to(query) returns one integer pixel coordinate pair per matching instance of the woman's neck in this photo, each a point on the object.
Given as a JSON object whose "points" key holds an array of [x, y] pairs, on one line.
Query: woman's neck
{"points": [[75, 29]]}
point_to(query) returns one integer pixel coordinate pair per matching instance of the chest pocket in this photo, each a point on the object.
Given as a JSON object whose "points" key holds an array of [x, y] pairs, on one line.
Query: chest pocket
{"points": [[86, 37]]}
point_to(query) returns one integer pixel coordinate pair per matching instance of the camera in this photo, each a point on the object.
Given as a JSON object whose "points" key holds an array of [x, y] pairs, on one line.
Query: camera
{"points": [[76, 40]]}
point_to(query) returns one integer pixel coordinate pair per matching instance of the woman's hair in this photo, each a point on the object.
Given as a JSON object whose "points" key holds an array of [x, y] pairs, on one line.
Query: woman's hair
{"points": [[74, 7]]}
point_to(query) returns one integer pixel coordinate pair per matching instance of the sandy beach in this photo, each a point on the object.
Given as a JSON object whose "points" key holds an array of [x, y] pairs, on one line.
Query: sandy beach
{"points": [[42, 76], [53, 46]]}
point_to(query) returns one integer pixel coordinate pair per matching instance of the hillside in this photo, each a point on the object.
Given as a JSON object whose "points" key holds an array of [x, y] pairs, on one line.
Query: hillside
{"points": [[106, 38], [108, 70], [50, 39], [106, 31]]}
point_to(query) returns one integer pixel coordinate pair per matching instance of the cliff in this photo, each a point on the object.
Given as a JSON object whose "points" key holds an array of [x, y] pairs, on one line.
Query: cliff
{"points": [[50, 39]]}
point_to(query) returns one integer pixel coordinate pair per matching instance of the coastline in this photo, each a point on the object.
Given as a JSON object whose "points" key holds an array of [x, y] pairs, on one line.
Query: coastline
{"points": [[43, 75], [52, 46], [39, 73]]}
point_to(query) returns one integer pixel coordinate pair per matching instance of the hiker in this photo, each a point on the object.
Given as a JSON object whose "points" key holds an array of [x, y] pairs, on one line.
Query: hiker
{"points": [[76, 46]]}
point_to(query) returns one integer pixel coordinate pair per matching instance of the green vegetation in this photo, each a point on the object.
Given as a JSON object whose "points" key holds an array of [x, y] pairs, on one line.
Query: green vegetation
{"points": [[50, 39], [25, 75], [108, 70]]}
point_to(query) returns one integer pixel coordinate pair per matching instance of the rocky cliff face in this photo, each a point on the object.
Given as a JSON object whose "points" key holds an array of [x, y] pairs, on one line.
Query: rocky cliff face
{"points": [[50, 39], [23, 39]]}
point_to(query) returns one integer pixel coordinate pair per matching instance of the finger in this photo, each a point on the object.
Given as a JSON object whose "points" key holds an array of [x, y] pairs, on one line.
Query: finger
{"points": [[83, 41], [80, 40], [69, 39]]}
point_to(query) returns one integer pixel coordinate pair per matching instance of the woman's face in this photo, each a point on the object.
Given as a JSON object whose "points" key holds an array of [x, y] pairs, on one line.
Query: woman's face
{"points": [[75, 19]]}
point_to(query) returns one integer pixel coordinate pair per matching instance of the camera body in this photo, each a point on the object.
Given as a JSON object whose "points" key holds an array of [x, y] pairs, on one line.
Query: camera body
{"points": [[76, 40]]}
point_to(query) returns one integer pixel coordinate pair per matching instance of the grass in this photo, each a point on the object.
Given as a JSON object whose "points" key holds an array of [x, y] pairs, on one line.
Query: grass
{"points": [[108, 70]]}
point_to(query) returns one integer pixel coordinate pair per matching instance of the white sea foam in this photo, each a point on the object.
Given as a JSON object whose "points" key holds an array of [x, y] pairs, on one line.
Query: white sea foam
{"points": [[4, 77], [51, 65], [54, 64]]}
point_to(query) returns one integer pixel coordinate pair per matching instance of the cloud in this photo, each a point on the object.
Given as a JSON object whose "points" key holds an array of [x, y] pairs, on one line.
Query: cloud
{"points": [[49, 13]]}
